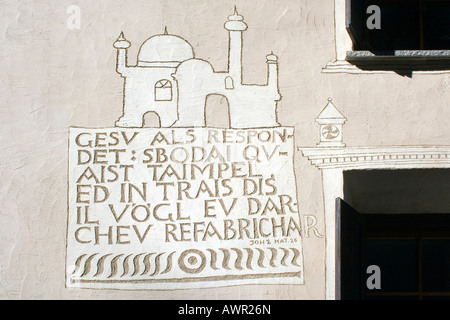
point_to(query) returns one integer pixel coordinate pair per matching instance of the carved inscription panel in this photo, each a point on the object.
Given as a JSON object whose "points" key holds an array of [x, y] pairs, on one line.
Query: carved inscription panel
{"points": [[174, 208]]}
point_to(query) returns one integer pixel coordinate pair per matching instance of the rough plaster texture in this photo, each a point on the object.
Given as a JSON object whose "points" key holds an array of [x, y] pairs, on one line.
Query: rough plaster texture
{"points": [[53, 78]]}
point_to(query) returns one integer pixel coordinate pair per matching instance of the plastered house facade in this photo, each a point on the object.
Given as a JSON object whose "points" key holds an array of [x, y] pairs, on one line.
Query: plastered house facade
{"points": [[369, 136]]}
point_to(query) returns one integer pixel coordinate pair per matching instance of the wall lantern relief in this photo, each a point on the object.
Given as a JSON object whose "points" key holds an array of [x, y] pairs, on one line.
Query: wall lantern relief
{"points": [[331, 123]]}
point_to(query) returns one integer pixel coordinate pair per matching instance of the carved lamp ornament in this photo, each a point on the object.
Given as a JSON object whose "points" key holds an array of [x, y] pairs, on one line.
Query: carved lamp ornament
{"points": [[331, 123]]}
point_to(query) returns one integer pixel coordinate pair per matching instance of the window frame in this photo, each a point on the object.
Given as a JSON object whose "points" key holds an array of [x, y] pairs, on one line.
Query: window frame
{"points": [[376, 223], [347, 60], [163, 85]]}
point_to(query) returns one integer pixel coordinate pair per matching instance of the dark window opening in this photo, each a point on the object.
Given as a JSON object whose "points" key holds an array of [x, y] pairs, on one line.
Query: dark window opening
{"points": [[409, 34], [404, 25], [412, 252], [399, 221], [414, 263]]}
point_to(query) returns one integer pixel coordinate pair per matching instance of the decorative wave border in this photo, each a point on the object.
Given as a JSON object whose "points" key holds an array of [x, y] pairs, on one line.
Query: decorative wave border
{"points": [[148, 265]]}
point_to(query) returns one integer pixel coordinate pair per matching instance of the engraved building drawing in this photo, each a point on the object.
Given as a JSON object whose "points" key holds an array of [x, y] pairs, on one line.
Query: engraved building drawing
{"points": [[171, 82]]}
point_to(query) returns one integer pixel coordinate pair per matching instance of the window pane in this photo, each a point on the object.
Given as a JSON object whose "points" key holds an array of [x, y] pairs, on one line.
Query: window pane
{"points": [[436, 25], [436, 265], [400, 26], [397, 260]]}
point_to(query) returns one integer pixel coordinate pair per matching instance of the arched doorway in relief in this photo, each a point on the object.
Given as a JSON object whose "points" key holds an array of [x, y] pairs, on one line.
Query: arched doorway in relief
{"points": [[151, 120], [217, 111]]}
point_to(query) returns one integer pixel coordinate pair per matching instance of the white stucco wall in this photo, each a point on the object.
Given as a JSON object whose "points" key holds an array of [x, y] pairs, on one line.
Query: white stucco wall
{"points": [[54, 78]]}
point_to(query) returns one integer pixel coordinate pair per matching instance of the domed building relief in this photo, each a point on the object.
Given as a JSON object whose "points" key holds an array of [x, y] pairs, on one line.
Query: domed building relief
{"points": [[169, 81], [164, 50]]}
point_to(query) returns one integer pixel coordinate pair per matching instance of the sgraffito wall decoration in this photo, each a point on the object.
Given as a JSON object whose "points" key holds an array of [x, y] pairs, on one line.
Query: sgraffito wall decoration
{"points": [[185, 149], [185, 205]]}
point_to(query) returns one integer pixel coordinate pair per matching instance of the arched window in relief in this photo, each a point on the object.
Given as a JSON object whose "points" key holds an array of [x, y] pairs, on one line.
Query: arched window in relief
{"points": [[229, 83], [163, 90]]}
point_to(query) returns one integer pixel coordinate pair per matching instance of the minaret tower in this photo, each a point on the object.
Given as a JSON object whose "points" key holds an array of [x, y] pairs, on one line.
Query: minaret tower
{"points": [[122, 46], [235, 25], [272, 75]]}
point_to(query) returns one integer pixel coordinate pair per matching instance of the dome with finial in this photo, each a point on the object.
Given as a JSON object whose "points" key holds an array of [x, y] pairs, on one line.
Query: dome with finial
{"points": [[235, 22], [121, 42], [271, 57], [164, 49]]}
